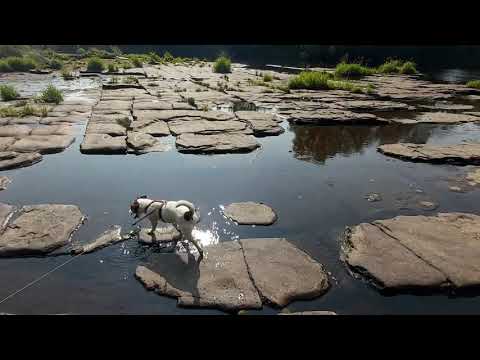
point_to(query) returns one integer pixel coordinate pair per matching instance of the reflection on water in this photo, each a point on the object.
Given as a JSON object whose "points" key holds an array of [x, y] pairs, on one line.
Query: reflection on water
{"points": [[318, 144], [456, 76]]}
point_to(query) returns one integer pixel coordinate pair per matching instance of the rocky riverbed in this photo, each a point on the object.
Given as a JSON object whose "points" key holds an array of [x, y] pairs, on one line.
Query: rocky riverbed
{"points": [[263, 165]]}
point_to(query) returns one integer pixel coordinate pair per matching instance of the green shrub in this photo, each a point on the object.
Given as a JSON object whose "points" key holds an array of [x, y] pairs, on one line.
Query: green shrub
{"points": [[51, 95], [127, 65], [313, 80], [391, 66], [67, 74], [408, 68], [115, 50], [168, 57], [112, 68], [14, 63], [267, 77], [81, 51], [95, 64], [474, 84], [137, 61], [222, 65], [8, 92], [130, 80], [56, 64], [346, 70], [28, 110]]}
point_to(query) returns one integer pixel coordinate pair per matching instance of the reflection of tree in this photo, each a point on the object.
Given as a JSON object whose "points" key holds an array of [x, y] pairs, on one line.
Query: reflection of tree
{"points": [[318, 143]]}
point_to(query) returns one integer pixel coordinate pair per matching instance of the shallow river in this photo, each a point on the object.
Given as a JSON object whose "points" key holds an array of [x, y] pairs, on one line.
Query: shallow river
{"points": [[315, 178]]}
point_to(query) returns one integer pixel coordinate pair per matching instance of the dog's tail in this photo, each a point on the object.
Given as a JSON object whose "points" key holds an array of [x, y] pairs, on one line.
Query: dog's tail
{"points": [[191, 209]]}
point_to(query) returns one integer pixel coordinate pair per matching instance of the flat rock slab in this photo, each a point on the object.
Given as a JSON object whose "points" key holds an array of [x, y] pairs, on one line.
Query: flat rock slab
{"points": [[262, 124], [103, 144], [444, 118], [15, 131], [416, 251], [332, 116], [11, 160], [141, 143], [221, 280], [40, 229], [43, 144], [461, 154], [24, 120], [373, 105], [113, 129], [250, 213], [218, 143], [52, 130], [447, 106], [152, 105], [151, 127], [283, 273], [4, 181], [202, 126], [113, 105], [109, 237], [72, 119], [6, 212], [6, 142], [161, 235]]}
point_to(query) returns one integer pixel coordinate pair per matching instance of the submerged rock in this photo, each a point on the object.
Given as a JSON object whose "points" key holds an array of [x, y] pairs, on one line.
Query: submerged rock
{"points": [[109, 237], [221, 280], [218, 143], [474, 177], [4, 181], [40, 229], [444, 118], [416, 251], [283, 273], [12, 160], [461, 154], [250, 213]]}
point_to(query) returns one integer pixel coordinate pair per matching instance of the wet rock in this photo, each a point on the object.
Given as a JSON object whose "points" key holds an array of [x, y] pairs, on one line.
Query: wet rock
{"points": [[202, 126], [447, 106], [12, 160], [141, 143], [6, 212], [52, 130], [15, 130], [427, 205], [416, 251], [455, 189], [474, 177], [444, 118], [103, 144], [308, 313], [250, 213], [113, 129], [372, 197], [332, 116], [6, 142], [40, 229], [221, 280], [107, 238], [281, 272], [218, 143], [4, 181], [462, 154], [47, 144], [164, 234]]}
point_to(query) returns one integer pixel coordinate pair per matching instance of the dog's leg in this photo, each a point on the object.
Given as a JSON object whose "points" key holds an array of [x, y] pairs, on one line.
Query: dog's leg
{"points": [[154, 226]]}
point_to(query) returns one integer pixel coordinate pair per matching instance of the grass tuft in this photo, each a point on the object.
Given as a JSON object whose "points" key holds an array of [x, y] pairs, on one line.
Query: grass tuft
{"points": [[51, 95], [8, 93], [475, 84], [222, 65]]}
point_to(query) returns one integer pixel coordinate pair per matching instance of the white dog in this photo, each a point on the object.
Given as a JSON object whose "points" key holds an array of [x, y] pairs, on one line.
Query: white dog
{"points": [[182, 214]]}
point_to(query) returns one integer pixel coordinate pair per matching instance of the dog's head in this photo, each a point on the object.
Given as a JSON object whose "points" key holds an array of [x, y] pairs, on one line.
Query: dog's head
{"points": [[135, 206]]}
